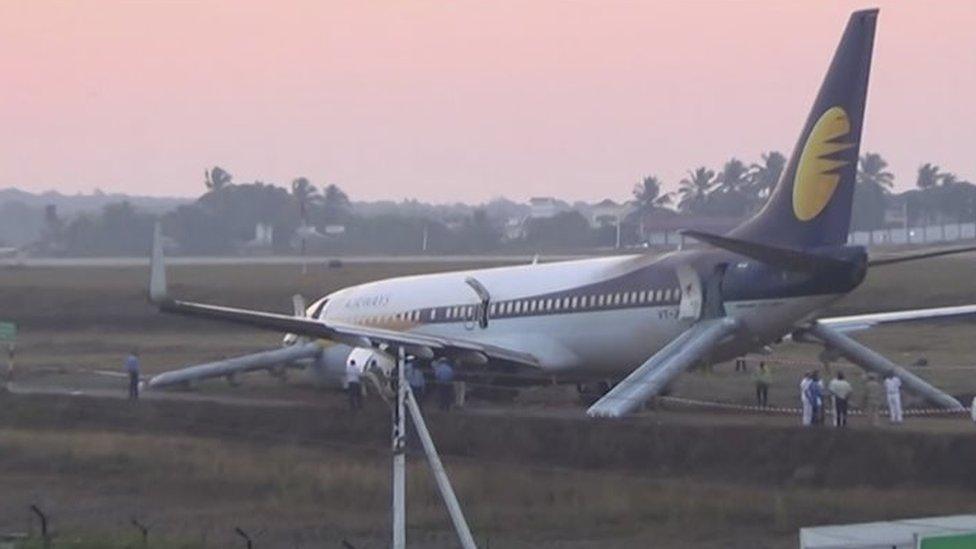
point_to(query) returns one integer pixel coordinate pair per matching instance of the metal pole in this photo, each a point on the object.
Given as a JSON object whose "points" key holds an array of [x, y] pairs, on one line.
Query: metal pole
{"points": [[440, 475], [399, 456], [617, 241]]}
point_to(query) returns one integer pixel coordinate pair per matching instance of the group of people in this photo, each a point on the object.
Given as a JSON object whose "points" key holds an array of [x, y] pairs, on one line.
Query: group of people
{"points": [[447, 390], [814, 395]]}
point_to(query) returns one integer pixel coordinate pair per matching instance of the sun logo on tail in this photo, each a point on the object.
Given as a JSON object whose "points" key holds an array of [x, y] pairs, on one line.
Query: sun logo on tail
{"points": [[818, 171]]}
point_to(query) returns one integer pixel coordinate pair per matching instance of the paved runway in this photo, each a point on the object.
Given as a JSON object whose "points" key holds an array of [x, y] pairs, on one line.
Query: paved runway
{"points": [[275, 260]]}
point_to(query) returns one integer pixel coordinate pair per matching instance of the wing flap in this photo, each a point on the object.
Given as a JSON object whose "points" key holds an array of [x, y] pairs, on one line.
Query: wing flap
{"points": [[693, 345]]}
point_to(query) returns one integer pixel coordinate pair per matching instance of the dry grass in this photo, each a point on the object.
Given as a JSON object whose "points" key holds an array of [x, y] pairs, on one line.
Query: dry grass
{"points": [[679, 486], [198, 489]]}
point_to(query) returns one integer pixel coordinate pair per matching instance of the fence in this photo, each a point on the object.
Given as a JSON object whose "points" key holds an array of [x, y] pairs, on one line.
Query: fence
{"points": [[947, 232]]}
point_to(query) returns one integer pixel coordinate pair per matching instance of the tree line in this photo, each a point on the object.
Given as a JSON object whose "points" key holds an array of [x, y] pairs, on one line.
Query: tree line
{"points": [[324, 220]]}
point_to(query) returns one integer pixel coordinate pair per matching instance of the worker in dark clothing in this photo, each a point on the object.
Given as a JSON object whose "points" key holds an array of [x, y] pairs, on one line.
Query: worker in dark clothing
{"points": [[132, 368], [444, 376], [415, 377]]}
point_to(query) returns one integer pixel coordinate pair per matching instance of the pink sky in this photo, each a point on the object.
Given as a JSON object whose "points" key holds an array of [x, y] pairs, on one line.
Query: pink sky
{"points": [[461, 100]]}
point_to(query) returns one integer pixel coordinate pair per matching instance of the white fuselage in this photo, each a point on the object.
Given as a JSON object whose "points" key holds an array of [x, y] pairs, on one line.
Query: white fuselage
{"points": [[587, 318]]}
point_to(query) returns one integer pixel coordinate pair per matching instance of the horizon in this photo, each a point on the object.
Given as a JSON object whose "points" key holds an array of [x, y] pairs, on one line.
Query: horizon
{"points": [[471, 101]]}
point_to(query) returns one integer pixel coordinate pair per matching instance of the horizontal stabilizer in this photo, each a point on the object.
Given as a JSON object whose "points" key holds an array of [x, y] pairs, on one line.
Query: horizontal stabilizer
{"points": [[784, 258], [854, 323], [915, 256], [694, 344]]}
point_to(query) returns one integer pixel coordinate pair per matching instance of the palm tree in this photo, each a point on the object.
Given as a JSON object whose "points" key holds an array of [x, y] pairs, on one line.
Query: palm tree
{"points": [[871, 171], [648, 194], [733, 178], [948, 179], [335, 203], [763, 177], [305, 194], [216, 178], [928, 176], [693, 190]]}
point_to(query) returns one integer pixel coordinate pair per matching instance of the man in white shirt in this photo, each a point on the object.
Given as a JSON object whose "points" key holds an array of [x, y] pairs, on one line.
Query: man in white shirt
{"points": [[893, 390], [841, 389], [354, 386], [805, 399]]}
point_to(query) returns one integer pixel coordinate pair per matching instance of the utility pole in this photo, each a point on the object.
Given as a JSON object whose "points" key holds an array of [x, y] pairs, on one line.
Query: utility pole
{"points": [[423, 246], [399, 444], [617, 241], [904, 213], [405, 402]]}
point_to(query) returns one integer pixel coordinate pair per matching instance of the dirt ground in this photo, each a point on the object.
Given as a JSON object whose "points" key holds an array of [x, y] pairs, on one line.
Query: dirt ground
{"points": [[310, 476]]}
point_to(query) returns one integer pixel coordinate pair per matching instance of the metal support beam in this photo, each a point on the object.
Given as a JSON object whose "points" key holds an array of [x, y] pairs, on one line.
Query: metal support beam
{"points": [[399, 444], [440, 475], [874, 362]]}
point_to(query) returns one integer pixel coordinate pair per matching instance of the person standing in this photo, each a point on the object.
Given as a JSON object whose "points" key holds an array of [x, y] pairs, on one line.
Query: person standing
{"points": [[354, 387], [132, 368], [815, 396], [841, 389], [444, 375], [805, 399], [892, 386], [416, 379], [762, 378]]}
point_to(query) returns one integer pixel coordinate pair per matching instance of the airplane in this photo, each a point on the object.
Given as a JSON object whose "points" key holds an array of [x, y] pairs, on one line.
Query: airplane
{"points": [[640, 320]]}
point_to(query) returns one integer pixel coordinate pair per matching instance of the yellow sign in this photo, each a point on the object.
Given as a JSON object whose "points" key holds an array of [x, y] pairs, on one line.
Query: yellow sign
{"points": [[817, 175]]}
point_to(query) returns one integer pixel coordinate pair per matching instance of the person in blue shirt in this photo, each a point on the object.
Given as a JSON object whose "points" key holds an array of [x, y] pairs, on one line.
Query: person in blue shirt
{"points": [[415, 377], [815, 396], [444, 376], [132, 368]]}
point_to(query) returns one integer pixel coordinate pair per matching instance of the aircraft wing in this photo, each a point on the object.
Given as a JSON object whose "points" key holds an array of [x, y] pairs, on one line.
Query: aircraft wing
{"points": [[693, 345], [350, 334], [854, 323]]}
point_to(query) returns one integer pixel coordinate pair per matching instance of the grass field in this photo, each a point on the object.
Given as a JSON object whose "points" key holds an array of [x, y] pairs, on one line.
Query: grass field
{"points": [[95, 465]]}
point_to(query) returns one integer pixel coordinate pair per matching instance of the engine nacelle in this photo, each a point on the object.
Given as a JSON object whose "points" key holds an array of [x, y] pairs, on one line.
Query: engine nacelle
{"points": [[329, 369]]}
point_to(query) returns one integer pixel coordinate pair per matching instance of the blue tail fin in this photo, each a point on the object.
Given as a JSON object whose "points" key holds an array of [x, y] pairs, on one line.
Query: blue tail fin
{"points": [[811, 205]]}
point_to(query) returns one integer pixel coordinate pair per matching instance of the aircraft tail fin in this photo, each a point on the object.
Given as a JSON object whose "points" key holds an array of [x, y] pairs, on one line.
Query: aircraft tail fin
{"points": [[811, 204]]}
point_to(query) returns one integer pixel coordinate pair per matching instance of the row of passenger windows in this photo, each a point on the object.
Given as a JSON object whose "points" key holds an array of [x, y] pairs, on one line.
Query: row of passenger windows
{"points": [[531, 306], [409, 316]]}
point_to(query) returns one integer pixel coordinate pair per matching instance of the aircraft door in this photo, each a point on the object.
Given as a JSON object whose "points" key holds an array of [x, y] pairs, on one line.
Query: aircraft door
{"points": [[714, 302], [690, 306]]}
